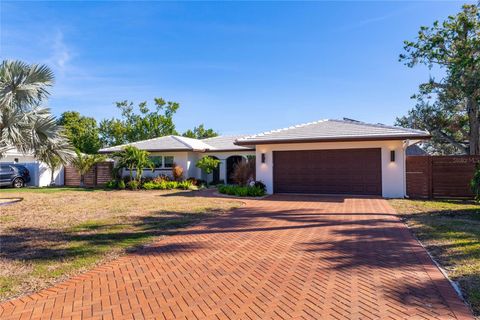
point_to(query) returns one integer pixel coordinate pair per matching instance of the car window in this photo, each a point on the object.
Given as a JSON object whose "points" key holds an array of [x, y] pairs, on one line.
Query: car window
{"points": [[5, 168]]}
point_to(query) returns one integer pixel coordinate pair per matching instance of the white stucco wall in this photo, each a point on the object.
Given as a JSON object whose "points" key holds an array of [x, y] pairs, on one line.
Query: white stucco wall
{"points": [[393, 173], [188, 161], [180, 158], [39, 172]]}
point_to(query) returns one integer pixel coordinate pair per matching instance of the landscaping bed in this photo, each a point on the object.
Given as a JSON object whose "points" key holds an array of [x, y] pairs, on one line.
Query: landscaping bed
{"points": [[57, 232], [450, 231]]}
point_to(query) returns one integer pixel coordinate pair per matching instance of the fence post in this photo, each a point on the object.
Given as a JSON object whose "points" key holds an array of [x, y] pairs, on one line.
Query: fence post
{"points": [[430, 177]]}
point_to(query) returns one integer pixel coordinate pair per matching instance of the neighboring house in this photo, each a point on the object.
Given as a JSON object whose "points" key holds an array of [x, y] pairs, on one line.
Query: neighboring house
{"points": [[325, 157], [39, 172]]}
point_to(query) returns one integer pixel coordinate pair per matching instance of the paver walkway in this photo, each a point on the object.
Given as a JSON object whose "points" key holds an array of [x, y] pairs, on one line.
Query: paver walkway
{"points": [[285, 257]]}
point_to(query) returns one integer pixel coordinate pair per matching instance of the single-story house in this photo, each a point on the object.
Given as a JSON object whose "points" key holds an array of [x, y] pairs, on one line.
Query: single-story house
{"points": [[39, 172], [323, 157]]}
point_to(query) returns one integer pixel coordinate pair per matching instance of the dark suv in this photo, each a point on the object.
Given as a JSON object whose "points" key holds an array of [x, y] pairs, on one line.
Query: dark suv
{"points": [[13, 175]]}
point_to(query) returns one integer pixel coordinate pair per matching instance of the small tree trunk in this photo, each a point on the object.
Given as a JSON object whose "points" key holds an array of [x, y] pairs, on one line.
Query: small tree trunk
{"points": [[82, 181], [474, 134], [52, 179]]}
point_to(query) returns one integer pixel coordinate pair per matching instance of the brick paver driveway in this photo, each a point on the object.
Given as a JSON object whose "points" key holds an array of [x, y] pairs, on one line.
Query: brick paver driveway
{"points": [[283, 257]]}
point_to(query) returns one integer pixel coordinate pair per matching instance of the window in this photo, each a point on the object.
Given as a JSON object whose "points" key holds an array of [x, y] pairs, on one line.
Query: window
{"points": [[157, 161], [162, 161], [168, 161]]}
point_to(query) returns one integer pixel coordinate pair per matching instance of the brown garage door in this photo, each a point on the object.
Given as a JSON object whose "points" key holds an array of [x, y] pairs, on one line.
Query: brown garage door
{"points": [[348, 171]]}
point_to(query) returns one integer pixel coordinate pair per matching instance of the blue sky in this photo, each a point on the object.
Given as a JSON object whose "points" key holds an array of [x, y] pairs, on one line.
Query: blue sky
{"points": [[238, 67]]}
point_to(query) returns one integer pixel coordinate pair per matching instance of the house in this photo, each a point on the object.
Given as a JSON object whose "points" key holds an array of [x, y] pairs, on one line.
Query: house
{"points": [[39, 172], [324, 157], [185, 152]]}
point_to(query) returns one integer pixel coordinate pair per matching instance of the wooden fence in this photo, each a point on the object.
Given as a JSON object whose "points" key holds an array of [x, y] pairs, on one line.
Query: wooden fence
{"points": [[99, 175], [440, 176]]}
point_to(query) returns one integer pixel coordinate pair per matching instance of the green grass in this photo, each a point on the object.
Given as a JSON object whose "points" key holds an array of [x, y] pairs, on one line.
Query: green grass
{"points": [[450, 230]]}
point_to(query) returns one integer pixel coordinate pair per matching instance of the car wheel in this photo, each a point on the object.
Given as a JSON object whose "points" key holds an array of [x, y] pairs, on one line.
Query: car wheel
{"points": [[18, 183]]}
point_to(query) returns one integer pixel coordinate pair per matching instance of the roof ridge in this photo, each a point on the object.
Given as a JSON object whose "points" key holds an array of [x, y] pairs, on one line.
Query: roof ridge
{"points": [[180, 139], [135, 142], [377, 125], [284, 129]]}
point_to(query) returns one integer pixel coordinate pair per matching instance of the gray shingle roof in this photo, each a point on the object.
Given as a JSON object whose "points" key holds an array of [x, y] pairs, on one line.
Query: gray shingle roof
{"points": [[333, 130], [225, 143], [166, 143], [178, 143]]}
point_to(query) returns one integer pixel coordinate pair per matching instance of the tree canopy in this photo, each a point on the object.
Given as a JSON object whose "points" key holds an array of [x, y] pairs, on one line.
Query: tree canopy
{"points": [[24, 124], [82, 131], [200, 132], [139, 125], [448, 107]]}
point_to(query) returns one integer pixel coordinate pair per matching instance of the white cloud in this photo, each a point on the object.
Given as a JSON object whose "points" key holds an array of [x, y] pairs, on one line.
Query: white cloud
{"points": [[61, 54]]}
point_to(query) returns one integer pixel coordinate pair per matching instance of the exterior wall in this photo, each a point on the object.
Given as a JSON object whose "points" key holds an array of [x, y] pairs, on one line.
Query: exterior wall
{"points": [[188, 161], [393, 173], [222, 156], [39, 172], [180, 158]]}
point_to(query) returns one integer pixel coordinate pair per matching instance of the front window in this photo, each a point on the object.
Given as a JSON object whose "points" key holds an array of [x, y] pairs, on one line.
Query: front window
{"points": [[157, 161], [168, 161]]}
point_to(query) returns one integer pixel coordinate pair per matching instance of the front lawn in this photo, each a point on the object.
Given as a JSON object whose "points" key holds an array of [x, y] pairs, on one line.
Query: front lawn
{"points": [[450, 230], [57, 232]]}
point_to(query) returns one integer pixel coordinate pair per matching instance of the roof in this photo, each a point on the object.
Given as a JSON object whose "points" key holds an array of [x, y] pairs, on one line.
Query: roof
{"points": [[165, 143], [333, 130], [223, 143], [178, 143]]}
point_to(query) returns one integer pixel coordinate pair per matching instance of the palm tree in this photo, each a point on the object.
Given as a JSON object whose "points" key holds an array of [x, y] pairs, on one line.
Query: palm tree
{"points": [[133, 158], [84, 162], [24, 124], [48, 155]]}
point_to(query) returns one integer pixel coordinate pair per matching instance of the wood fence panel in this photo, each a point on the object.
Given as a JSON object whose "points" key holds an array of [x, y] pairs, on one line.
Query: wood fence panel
{"points": [[418, 176], [104, 172], [97, 176], [440, 176], [451, 176]]}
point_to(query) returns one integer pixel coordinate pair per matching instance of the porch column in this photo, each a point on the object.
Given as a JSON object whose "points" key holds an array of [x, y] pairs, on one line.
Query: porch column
{"points": [[223, 170]]}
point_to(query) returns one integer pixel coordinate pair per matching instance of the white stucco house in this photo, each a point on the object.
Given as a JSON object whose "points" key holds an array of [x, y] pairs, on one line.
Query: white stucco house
{"points": [[321, 157], [40, 174]]}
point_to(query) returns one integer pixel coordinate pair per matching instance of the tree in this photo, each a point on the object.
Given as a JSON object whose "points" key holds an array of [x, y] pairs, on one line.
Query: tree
{"points": [[133, 158], [84, 162], [200, 133], [208, 164], [82, 131], [146, 124], [52, 160], [449, 107], [24, 124]]}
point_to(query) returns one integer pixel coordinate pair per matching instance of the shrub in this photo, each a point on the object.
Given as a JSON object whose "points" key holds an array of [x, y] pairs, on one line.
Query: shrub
{"points": [[261, 185], [177, 172], [121, 185], [242, 191], [167, 185], [161, 178], [243, 172], [133, 185], [112, 184]]}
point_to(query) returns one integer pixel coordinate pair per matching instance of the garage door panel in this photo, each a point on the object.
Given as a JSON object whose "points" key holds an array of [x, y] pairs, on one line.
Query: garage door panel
{"points": [[349, 171]]}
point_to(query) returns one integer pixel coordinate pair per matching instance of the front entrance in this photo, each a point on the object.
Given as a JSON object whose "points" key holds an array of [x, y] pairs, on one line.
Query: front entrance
{"points": [[231, 162]]}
